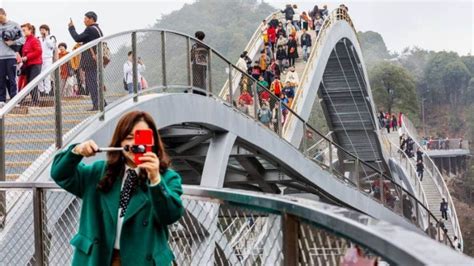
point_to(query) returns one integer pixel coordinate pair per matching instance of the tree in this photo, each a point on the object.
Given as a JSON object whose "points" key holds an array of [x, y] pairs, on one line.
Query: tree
{"points": [[373, 47], [447, 78], [393, 88]]}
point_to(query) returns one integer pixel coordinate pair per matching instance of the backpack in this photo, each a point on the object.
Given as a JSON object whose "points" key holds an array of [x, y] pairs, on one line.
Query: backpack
{"points": [[106, 54], [200, 54], [264, 115]]}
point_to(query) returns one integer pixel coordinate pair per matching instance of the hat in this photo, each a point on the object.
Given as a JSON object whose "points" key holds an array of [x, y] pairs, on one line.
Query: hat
{"points": [[92, 15]]}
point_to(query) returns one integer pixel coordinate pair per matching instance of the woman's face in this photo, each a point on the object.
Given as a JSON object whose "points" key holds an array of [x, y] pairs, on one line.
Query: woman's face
{"points": [[26, 31], [130, 140]]}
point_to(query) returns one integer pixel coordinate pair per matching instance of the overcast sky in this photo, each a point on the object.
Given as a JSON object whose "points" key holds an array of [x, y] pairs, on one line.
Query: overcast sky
{"points": [[433, 25]]}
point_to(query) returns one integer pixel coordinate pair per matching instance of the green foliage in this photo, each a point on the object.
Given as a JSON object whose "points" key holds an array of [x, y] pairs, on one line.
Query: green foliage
{"points": [[373, 47], [447, 78], [228, 24], [384, 76]]}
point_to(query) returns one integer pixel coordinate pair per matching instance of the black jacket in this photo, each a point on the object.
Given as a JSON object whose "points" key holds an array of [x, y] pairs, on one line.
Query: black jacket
{"points": [[292, 44], [90, 33], [420, 167], [289, 12], [305, 40], [281, 54], [274, 23]]}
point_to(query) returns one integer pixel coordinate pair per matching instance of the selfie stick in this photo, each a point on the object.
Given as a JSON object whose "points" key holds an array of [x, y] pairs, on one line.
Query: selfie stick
{"points": [[126, 148]]}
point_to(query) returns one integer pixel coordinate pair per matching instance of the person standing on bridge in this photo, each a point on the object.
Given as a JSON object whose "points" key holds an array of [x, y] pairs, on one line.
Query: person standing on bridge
{"points": [[199, 60], [31, 57], [50, 53], [89, 57], [10, 46], [126, 208], [419, 169], [292, 50], [318, 24], [443, 207], [305, 41], [289, 13]]}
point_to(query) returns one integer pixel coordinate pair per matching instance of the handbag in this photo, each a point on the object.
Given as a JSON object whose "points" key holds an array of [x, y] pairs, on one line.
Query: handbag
{"points": [[144, 83]]}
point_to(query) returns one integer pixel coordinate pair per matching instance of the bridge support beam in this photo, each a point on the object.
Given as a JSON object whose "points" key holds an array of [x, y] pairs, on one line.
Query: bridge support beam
{"points": [[215, 166]]}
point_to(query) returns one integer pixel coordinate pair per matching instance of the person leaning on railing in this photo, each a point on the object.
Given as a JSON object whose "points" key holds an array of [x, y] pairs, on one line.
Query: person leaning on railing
{"points": [[126, 208]]}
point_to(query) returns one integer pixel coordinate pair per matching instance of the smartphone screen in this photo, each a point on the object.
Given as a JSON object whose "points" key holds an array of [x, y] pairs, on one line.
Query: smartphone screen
{"points": [[143, 137]]}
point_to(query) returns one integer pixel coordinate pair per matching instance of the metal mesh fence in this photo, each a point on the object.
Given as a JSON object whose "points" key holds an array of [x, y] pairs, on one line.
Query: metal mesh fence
{"points": [[211, 232]]}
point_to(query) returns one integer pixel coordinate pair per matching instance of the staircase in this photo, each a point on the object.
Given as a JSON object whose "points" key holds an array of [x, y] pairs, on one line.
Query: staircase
{"points": [[30, 131], [346, 107]]}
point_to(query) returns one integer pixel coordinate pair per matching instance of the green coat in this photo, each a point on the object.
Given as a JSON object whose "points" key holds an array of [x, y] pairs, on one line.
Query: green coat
{"points": [[144, 238]]}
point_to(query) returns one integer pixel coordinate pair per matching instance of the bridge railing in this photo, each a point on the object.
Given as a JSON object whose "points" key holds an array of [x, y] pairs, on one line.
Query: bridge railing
{"points": [[408, 165], [433, 172], [284, 231], [32, 134], [336, 15]]}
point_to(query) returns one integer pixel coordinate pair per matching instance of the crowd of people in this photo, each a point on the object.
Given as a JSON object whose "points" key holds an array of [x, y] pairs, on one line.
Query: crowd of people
{"points": [[440, 143], [23, 55], [284, 40]]}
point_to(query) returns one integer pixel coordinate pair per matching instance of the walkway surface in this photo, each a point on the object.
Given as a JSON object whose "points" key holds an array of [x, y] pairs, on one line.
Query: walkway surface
{"points": [[432, 193]]}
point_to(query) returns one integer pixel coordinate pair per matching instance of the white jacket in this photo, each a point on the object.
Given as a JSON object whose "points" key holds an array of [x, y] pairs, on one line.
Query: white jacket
{"points": [[128, 71], [48, 44], [292, 77]]}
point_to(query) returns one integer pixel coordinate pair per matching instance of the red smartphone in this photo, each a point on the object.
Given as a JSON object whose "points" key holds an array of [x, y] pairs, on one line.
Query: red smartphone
{"points": [[143, 137]]}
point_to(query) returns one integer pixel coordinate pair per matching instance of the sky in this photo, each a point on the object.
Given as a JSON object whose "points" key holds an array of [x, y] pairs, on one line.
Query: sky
{"points": [[432, 25]]}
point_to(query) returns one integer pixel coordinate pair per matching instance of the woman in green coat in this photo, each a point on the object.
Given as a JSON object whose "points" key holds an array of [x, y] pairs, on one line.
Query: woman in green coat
{"points": [[126, 208]]}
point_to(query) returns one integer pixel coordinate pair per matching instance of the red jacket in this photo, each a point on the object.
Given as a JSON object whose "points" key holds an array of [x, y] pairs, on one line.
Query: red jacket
{"points": [[33, 51], [271, 34]]}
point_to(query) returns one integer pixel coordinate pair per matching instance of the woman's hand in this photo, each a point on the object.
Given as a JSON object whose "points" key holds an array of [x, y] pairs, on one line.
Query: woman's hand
{"points": [[151, 163], [86, 149]]}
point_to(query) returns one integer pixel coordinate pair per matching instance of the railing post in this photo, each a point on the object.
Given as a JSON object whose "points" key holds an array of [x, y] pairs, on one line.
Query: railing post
{"points": [[255, 101], [305, 142], [279, 118], [134, 66], [38, 225], [58, 115], [163, 60], [382, 183], [231, 89], [356, 172], [189, 64], [209, 73], [290, 228], [100, 77], [3, 209], [331, 168]]}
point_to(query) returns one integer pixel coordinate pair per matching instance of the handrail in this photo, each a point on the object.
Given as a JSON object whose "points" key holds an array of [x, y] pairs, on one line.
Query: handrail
{"points": [[411, 171], [437, 178], [64, 60], [255, 42], [397, 242], [337, 14]]}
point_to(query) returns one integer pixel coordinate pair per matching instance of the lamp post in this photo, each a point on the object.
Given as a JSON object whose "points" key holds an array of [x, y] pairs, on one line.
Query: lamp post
{"points": [[423, 115]]}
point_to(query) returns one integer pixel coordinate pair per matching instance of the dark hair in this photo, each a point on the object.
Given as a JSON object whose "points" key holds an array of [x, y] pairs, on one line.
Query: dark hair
{"points": [[2, 11], [130, 53], [116, 160], [199, 35], [92, 15], [63, 45], [46, 27], [29, 27]]}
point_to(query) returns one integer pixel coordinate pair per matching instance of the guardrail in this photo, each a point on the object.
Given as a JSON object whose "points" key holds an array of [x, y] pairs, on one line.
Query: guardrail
{"points": [[432, 170], [155, 46], [336, 15], [399, 155], [291, 231]]}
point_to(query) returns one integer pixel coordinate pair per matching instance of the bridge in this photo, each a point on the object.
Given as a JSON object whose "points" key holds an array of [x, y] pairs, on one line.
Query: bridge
{"points": [[230, 162]]}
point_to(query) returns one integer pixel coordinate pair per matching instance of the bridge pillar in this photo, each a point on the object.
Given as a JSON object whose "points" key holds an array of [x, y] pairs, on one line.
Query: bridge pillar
{"points": [[215, 166]]}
